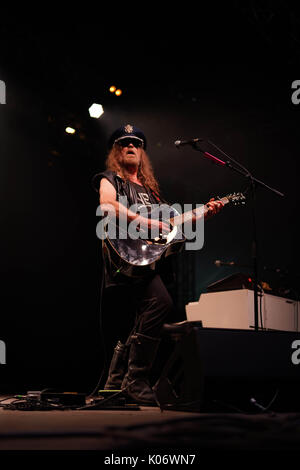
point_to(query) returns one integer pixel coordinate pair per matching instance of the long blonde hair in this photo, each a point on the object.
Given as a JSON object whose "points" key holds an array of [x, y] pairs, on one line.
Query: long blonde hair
{"points": [[145, 171]]}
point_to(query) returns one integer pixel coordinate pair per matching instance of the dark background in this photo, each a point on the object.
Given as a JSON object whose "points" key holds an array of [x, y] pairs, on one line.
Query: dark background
{"points": [[224, 74]]}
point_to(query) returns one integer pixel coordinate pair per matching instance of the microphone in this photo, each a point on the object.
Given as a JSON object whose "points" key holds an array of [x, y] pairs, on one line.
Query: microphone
{"points": [[219, 263], [179, 143]]}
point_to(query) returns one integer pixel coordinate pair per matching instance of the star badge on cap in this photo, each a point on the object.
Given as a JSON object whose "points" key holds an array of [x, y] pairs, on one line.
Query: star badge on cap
{"points": [[128, 129]]}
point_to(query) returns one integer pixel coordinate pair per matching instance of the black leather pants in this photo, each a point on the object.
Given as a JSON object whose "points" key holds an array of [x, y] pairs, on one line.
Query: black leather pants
{"points": [[142, 307]]}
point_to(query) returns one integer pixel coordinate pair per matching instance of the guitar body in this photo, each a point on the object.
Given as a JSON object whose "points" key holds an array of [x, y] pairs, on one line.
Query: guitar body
{"points": [[136, 258]]}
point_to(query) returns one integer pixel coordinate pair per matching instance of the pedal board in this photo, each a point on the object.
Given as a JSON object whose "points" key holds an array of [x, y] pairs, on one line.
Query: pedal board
{"points": [[68, 399], [64, 398], [114, 399]]}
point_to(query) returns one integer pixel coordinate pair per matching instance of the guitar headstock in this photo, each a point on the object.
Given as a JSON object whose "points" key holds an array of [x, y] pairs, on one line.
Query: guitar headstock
{"points": [[236, 199]]}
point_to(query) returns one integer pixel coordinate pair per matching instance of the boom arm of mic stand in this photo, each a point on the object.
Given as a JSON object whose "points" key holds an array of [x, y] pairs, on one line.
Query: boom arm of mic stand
{"points": [[252, 179], [244, 172]]}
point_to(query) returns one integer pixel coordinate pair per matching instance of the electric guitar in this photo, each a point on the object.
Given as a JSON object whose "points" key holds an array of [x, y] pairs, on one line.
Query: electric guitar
{"points": [[137, 257]]}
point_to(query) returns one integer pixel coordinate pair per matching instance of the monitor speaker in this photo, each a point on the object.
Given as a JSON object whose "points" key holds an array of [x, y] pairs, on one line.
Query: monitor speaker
{"points": [[213, 369], [180, 384]]}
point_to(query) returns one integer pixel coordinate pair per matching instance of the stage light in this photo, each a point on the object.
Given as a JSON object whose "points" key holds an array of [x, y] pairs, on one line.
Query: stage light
{"points": [[112, 89], [70, 130], [118, 92], [96, 110]]}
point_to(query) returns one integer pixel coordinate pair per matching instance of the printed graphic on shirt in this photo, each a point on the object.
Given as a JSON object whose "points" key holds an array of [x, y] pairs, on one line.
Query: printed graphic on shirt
{"points": [[143, 199]]}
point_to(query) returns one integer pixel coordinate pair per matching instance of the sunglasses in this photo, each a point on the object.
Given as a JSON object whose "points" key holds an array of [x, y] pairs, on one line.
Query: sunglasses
{"points": [[137, 143]]}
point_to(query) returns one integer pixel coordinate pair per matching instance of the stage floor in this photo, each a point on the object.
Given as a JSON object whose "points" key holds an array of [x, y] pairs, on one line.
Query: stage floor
{"points": [[138, 432]]}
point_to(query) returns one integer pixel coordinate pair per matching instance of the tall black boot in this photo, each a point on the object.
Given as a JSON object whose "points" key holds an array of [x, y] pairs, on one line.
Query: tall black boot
{"points": [[142, 353], [118, 367]]}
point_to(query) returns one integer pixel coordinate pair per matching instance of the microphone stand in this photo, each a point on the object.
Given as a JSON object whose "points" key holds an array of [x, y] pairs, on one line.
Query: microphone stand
{"points": [[237, 167]]}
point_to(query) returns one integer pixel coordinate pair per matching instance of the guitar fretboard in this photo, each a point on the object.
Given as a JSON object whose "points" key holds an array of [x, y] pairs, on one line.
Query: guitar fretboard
{"points": [[194, 213]]}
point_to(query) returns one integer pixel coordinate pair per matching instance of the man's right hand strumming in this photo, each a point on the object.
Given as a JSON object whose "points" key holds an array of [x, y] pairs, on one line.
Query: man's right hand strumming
{"points": [[149, 224]]}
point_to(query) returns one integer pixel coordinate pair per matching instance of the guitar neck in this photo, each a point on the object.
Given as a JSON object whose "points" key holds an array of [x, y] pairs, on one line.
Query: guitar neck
{"points": [[194, 214]]}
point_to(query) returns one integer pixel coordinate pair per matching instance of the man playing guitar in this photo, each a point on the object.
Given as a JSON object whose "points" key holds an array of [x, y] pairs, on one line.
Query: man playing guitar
{"points": [[129, 173]]}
